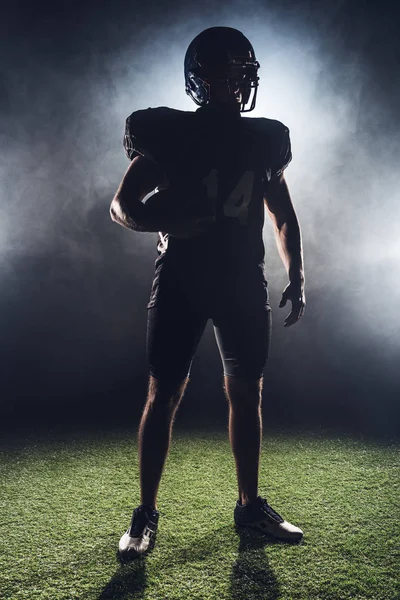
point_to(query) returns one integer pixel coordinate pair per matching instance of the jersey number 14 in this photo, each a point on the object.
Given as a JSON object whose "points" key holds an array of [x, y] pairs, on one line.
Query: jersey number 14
{"points": [[237, 203]]}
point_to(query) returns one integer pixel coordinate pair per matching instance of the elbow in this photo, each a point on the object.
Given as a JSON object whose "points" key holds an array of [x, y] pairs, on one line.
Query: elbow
{"points": [[120, 214], [287, 224], [116, 211], [112, 212], [280, 227]]}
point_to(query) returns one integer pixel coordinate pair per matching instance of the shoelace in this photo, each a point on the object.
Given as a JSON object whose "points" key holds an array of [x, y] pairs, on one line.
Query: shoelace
{"points": [[270, 510], [141, 516]]}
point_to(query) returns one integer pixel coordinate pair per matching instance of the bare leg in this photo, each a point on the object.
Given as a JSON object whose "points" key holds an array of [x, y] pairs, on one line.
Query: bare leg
{"points": [[245, 432], [155, 431]]}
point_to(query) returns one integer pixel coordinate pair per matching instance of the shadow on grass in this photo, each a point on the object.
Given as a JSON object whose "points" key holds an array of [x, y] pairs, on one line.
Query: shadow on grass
{"points": [[128, 582], [252, 578]]}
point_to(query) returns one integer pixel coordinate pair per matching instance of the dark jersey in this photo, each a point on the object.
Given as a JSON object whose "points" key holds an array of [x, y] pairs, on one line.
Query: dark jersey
{"points": [[222, 158]]}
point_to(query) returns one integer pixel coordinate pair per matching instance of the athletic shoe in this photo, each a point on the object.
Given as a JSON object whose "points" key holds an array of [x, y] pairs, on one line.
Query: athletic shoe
{"points": [[140, 537], [260, 516]]}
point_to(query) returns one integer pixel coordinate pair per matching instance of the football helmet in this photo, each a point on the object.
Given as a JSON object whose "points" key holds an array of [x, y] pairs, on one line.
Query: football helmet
{"points": [[221, 54]]}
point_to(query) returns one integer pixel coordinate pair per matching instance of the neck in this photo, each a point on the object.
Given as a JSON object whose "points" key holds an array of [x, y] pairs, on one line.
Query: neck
{"points": [[224, 107]]}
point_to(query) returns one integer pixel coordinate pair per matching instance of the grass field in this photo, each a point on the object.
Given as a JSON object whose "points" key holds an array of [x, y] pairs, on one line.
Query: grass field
{"points": [[66, 500]]}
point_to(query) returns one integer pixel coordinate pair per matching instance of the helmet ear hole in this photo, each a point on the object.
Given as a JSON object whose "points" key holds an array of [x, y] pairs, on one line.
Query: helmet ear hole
{"points": [[197, 89]]}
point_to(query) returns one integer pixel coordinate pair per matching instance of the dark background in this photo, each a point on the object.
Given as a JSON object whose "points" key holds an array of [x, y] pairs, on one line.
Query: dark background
{"points": [[75, 285]]}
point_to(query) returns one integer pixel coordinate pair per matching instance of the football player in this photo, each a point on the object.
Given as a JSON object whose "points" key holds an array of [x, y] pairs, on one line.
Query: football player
{"points": [[212, 171]]}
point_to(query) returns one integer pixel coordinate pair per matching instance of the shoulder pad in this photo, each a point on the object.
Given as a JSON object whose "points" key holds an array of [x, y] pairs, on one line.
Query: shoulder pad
{"points": [[149, 132], [276, 143]]}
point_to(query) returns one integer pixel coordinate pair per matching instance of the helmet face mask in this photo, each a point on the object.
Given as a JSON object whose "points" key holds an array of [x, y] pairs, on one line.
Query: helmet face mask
{"points": [[220, 65]]}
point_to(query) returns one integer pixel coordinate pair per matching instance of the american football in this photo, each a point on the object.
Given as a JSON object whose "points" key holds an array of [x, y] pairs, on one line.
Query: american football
{"points": [[177, 201]]}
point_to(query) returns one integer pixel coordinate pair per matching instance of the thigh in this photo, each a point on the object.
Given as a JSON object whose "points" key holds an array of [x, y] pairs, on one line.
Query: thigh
{"points": [[173, 334], [242, 329]]}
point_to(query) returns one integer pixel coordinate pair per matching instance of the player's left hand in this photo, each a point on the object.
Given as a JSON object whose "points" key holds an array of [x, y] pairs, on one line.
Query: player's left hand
{"points": [[294, 293]]}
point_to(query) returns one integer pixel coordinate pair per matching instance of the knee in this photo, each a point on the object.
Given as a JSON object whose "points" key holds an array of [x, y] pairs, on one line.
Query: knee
{"points": [[164, 393], [243, 393]]}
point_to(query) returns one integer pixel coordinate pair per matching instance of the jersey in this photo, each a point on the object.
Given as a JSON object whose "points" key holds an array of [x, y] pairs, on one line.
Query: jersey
{"points": [[222, 158]]}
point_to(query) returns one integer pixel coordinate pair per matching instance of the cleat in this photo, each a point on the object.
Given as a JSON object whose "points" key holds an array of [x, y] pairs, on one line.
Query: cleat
{"points": [[260, 516], [140, 537]]}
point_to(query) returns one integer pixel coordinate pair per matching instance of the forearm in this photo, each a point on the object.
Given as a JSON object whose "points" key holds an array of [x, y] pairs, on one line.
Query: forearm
{"points": [[136, 217], [127, 208], [289, 243]]}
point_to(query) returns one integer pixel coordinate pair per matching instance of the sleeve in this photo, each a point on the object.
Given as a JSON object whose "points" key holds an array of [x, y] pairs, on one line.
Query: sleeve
{"points": [[284, 154], [279, 150]]}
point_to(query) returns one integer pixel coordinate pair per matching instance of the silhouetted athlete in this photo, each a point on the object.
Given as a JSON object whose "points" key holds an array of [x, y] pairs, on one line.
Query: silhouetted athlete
{"points": [[213, 171]]}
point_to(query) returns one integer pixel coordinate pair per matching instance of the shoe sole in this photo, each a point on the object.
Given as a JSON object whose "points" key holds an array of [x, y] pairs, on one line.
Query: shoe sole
{"points": [[130, 555], [241, 527]]}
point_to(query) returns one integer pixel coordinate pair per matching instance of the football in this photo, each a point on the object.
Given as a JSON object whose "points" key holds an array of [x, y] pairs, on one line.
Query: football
{"points": [[180, 201]]}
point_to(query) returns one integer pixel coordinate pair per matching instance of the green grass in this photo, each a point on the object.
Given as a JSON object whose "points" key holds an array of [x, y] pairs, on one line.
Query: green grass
{"points": [[66, 500]]}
